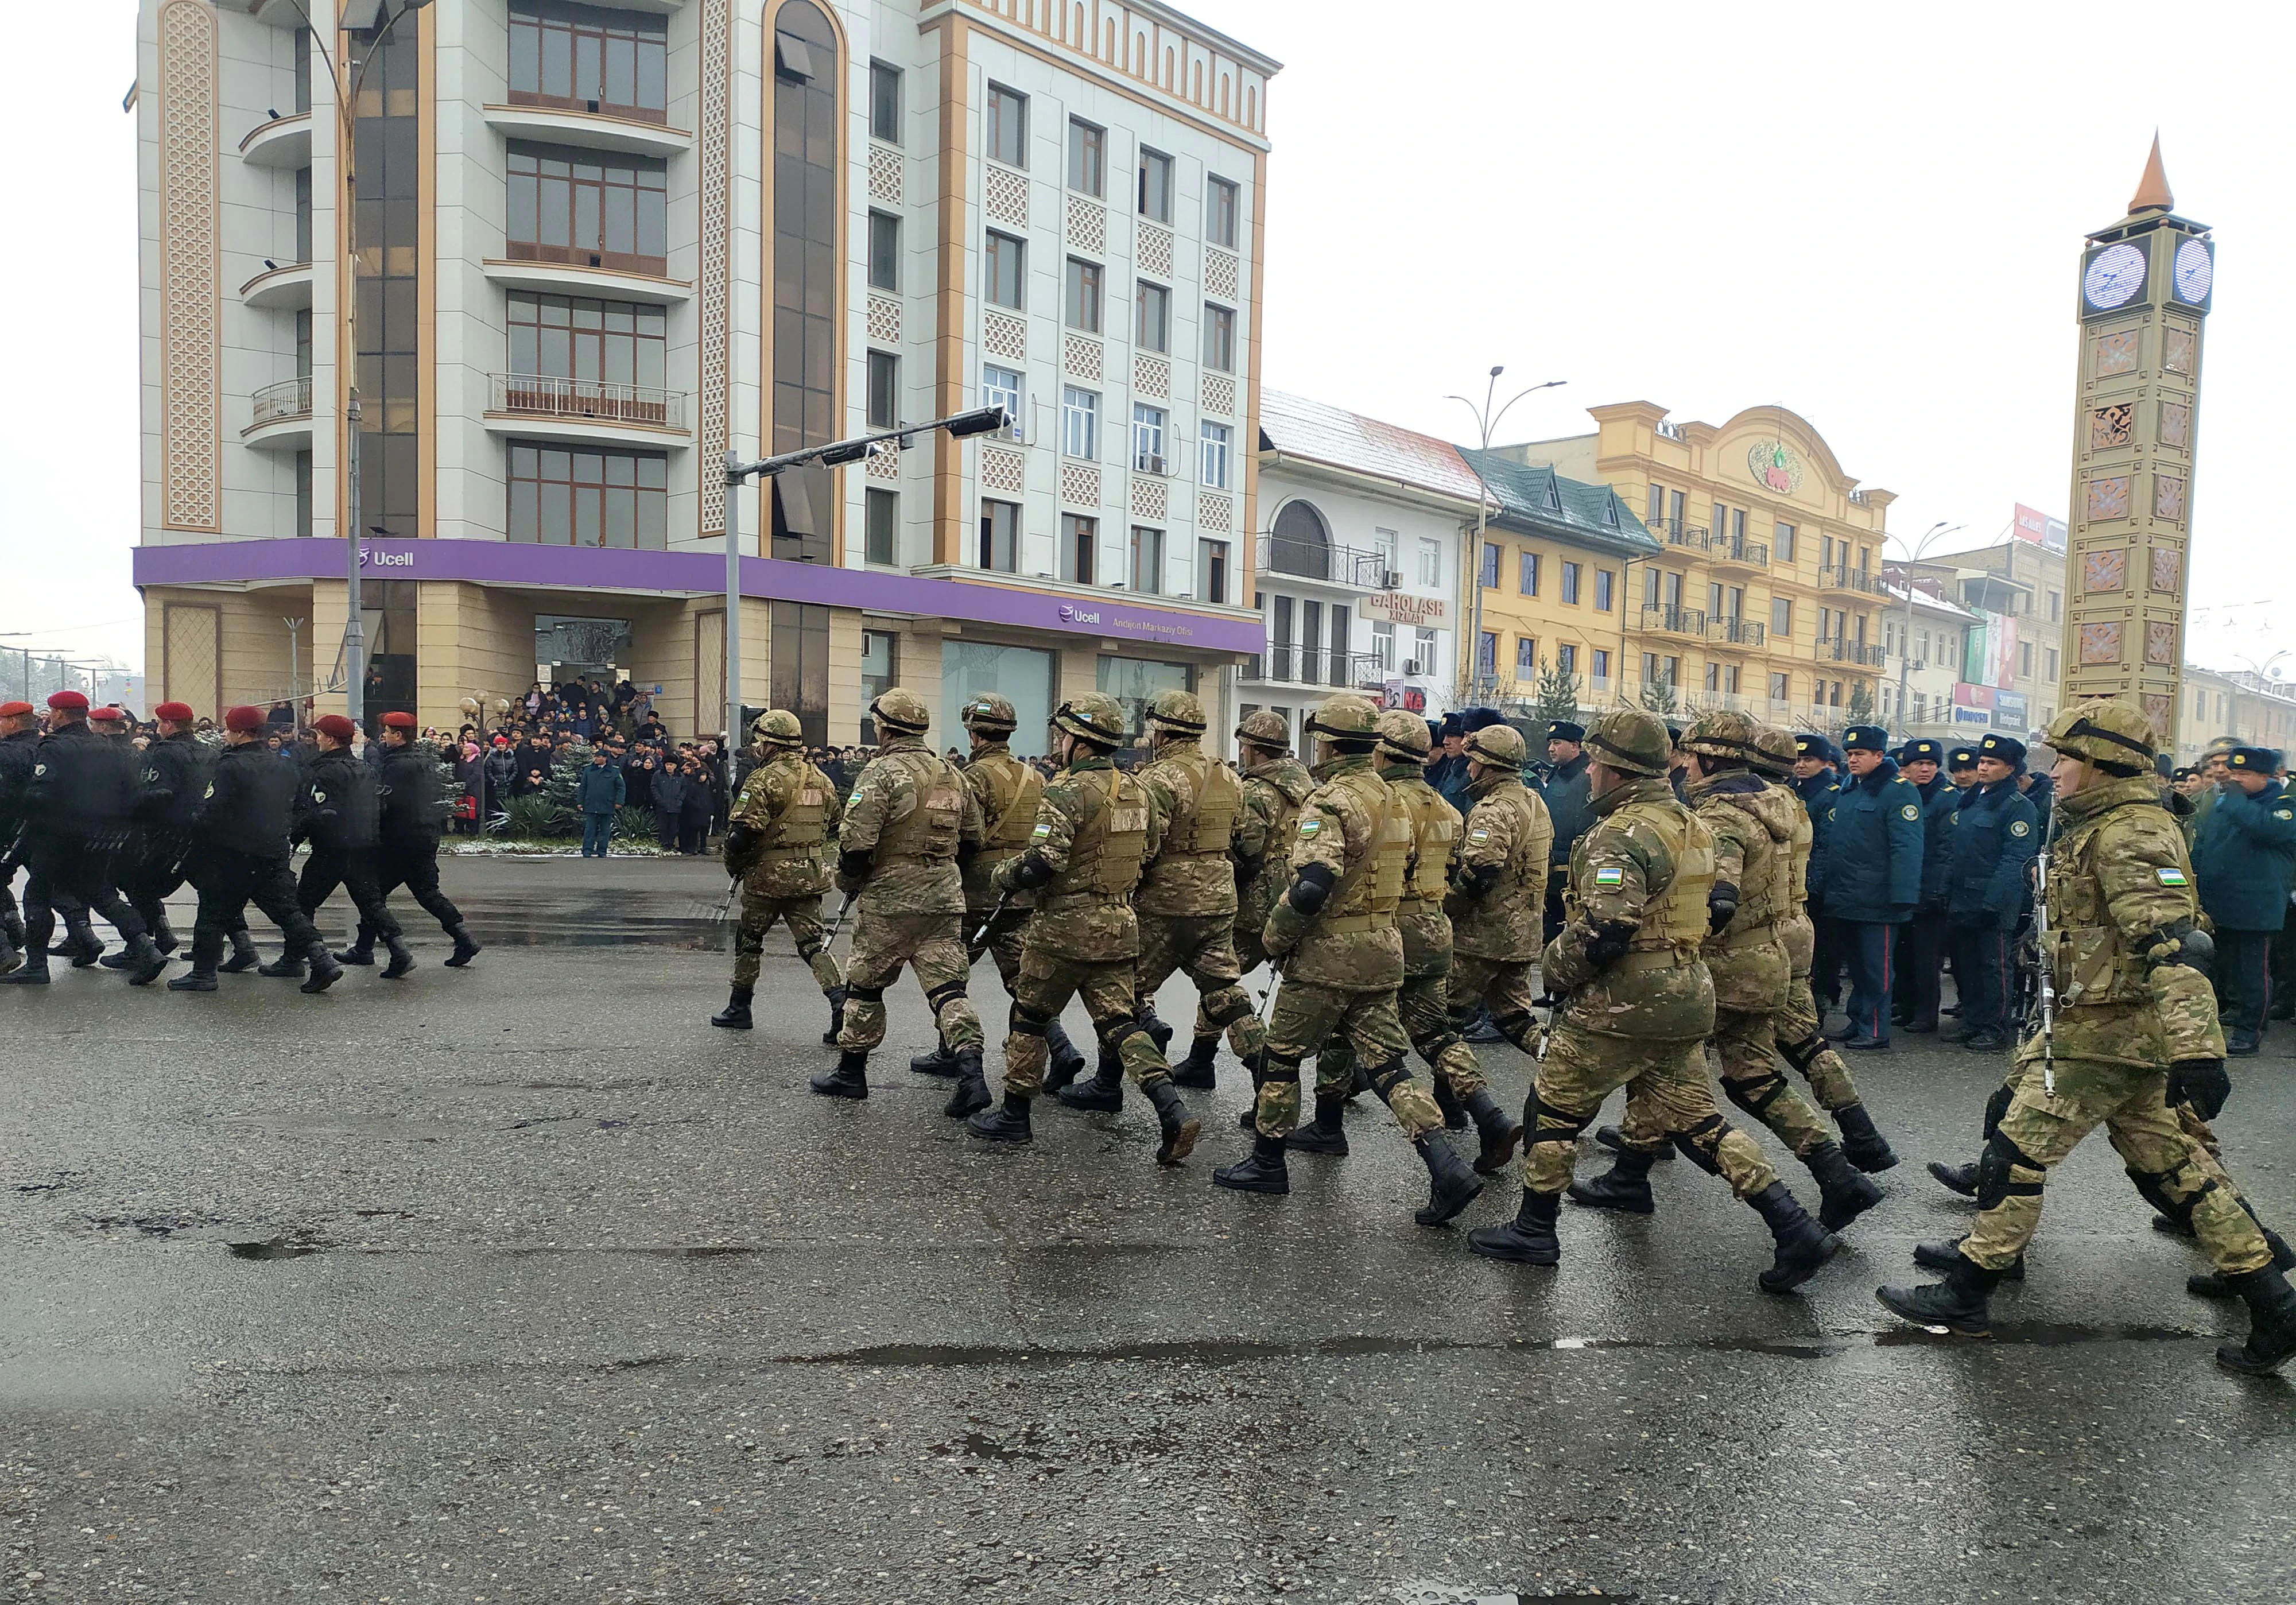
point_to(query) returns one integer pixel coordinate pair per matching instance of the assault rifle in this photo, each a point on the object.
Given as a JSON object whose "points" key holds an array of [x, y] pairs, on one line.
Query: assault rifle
{"points": [[976, 942], [2044, 985]]}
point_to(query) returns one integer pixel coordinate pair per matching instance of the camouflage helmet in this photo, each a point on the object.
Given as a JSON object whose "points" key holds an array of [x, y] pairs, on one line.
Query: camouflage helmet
{"points": [[1403, 735], [1176, 711], [1096, 717], [1773, 752], [1501, 746], [1631, 741], [1265, 728], [1722, 734], [901, 710], [2109, 731], [1346, 717], [778, 727], [989, 714]]}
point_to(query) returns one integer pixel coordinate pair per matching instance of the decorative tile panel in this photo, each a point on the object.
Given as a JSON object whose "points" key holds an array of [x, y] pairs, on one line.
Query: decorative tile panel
{"points": [[2107, 498], [2177, 351], [885, 175], [2168, 568], [1080, 483], [884, 319], [1151, 375], [2116, 353], [190, 327], [1148, 500], [1087, 224], [1003, 336], [1003, 471], [2167, 496], [2106, 568], [1151, 250], [1220, 275], [2176, 424], [2161, 642], [1005, 195], [1214, 511], [1219, 394], [716, 256], [1081, 355], [2099, 642], [2108, 427], [2156, 708]]}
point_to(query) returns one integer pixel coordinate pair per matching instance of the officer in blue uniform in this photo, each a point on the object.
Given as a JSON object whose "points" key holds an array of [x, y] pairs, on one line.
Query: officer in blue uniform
{"points": [[1991, 838], [1565, 793], [2243, 856], [1914, 1000], [1448, 774], [1815, 774], [1870, 876]]}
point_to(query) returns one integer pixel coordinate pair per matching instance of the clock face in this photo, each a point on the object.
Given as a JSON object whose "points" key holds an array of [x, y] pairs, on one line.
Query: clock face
{"points": [[2115, 274], [2195, 273]]}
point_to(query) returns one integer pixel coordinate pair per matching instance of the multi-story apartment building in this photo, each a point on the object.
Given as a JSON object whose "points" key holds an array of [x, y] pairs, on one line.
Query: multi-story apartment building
{"points": [[2017, 590], [1923, 641], [595, 247], [1770, 570]]}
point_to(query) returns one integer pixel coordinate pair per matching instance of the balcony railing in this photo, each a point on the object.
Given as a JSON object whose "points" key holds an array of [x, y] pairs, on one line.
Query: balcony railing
{"points": [[1676, 621], [1691, 536], [1735, 632], [1298, 665], [588, 400], [1738, 549], [1833, 649], [1850, 579], [276, 403], [1320, 561]]}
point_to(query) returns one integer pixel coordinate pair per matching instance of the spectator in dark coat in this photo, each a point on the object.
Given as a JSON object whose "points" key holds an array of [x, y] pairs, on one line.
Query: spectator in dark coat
{"points": [[1871, 875], [1991, 835], [1914, 997], [638, 771], [1817, 771], [1565, 791], [2244, 856], [598, 792], [693, 810], [669, 788]]}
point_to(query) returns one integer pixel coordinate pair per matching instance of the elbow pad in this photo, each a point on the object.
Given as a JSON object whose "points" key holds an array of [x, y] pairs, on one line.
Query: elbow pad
{"points": [[1481, 880], [1608, 944], [1721, 907], [2180, 943], [1310, 891], [854, 865]]}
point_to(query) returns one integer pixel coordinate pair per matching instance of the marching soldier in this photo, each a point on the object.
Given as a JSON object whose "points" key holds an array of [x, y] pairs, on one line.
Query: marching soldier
{"points": [[909, 818], [1095, 827], [777, 847], [1498, 898], [1639, 1003], [408, 853], [2136, 1033], [171, 773], [339, 814], [1992, 834], [19, 735], [1333, 935]]}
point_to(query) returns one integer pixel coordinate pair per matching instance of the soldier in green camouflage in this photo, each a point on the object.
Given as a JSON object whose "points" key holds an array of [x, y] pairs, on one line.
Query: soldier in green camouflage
{"points": [[1095, 829], [777, 847], [1637, 1004], [910, 817], [1498, 898], [1333, 935], [2136, 1034]]}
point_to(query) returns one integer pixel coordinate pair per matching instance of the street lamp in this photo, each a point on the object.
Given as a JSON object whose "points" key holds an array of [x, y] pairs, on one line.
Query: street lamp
{"points": [[837, 454], [1905, 634], [1488, 422]]}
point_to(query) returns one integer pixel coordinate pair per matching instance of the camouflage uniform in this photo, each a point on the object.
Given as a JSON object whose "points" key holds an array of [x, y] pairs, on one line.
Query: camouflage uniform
{"points": [[1638, 1002], [909, 816], [1274, 787], [1342, 959], [1498, 901], [777, 845], [2135, 1031]]}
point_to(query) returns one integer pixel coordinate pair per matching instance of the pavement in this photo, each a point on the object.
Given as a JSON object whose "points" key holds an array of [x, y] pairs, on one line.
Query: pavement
{"points": [[522, 1283]]}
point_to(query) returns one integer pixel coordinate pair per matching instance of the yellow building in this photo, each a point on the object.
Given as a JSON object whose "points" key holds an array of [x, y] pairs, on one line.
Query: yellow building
{"points": [[1764, 592]]}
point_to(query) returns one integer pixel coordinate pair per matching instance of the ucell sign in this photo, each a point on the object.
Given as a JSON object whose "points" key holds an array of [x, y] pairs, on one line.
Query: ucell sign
{"points": [[376, 557]]}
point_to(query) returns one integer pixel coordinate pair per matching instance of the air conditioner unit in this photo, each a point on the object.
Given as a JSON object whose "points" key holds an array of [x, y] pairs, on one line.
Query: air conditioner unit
{"points": [[1391, 579], [1146, 463], [1411, 666]]}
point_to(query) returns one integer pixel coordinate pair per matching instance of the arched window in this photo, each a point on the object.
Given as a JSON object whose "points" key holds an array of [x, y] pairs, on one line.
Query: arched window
{"points": [[1302, 543]]}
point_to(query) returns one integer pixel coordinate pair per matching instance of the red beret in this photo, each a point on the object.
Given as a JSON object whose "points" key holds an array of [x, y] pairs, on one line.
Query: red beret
{"points": [[336, 725], [246, 720], [399, 721], [174, 713], [14, 710], [108, 716], [68, 701]]}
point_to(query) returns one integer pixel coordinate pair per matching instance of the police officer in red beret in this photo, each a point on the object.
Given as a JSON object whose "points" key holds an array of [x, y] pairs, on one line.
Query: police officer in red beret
{"points": [[412, 820], [171, 776], [339, 814], [19, 735]]}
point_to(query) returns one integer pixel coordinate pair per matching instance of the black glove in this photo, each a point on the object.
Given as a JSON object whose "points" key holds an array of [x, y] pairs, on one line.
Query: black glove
{"points": [[2201, 1083], [1609, 946], [1721, 907]]}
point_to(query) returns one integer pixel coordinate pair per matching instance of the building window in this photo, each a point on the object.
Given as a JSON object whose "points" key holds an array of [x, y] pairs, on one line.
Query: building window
{"points": [[2056, 605], [884, 390], [1650, 668], [1782, 539], [1526, 656], [1430, 562], [568, 496], [1601, 665], [1147, 439], [1080, 422], [302, 493], [1211, 575], [1650, 588], [1714, 677], [1604, 580], [884, 251], [586, 209], [885, 103], [1000, 537], [1781, 619], [1147, 560], [1528, 580], [592, 343], [391, 422], [2025, 658], [1153, 318], [1654, 509], [1212, 450], [1219, 338], [588, 58], [880, 658], [881, 523], [1220, 209], [1566, 659], [302, 214], [796, 667], [1087, 159], [806, 270], [1155, 187], [1487, 653], [1778, 687], [1082, 302], [1383, 644], [1008, 126], [1079, 545], [2049, 661], [1486, 573], [1570, 582], [1427, 649], [1003, 387], [1006, 272]]}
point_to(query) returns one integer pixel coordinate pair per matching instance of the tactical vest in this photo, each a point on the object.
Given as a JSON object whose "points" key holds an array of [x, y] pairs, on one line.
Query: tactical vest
{"points": [[1015, 790], [1521, 862], [1209, 830], [803, 826], [1759, 908], [1677, 918], [2090, 961], [1106, 852], [1373, 885], [1435, 826], [1796, 870], [928, 831], [1291, 787]]}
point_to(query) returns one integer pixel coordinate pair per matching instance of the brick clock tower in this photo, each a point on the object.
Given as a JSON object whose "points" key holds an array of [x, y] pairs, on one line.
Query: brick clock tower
{"points": [[2144, 291]]}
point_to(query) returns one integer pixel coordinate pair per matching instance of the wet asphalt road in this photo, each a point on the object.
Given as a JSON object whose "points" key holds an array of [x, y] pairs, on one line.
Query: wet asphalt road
{"points": [[523, 1284]]}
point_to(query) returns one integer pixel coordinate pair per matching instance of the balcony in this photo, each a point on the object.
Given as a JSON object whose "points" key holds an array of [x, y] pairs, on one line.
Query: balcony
{"points": [[1850, 579], [1833, 649], [590, 130], [1738, 551], [1688, 538], [1735, 632], [584, 410], [1298, 665], [286, 289], [284, 142], [280, 417], [1326, 564], [580, 279], [1675, 621]]}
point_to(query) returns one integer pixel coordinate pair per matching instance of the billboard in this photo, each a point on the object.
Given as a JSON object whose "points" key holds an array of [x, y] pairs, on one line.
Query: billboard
{"points": [[2030, 524], [2009, 711], [1990, 650]]}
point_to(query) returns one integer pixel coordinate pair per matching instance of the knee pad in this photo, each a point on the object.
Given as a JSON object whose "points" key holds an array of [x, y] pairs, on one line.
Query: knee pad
{"points": [[1804, 1054], [1226, 1006], [938, 997], [1028, 1021], [1699, 1142], [1434, 1044], [1112, 1032], [865, 994], [1756, 1094], [2152, 1187], [1996, 1180], [1542, 1122], [1272, 1069], [808, 951], [1390, 1075], [1515, 1027], [1998, 1106]]}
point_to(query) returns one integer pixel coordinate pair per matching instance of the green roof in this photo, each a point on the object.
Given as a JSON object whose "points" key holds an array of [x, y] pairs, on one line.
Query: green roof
{"points": [[1538, 501]]}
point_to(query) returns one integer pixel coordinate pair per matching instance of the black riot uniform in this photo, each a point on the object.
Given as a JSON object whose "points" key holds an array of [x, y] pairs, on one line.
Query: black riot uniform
{"points": [[15, 776], [77, 803], [408, 852], [171, 780], [339, 815], [240, 854]]}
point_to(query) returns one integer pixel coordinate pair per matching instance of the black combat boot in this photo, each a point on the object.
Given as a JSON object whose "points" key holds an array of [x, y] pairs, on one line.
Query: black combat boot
{"points": [[361, 952], [735, 1015], [1500, 1130], [1451, 1185], [146, 962], [2216, 1284], [164, 938], [1156, 1028], [850, 1079], [1177, 1128], [1626, 1187], [1613, 1139], [1006, 1122], [1956, 1178], [940, 1063], [2271, 1322], [205, 951], [1843, 1193], [11, 960], [836, 995], [287, 967], [1957, 1304], [31, 971], [324, 971], [2238, 1045], [1063, 1062], [402, 958], [465, 949], [1943, 1255], [1865, 1147], [80, 945], [12, 926], [1454, 1118], [1260, 1171], [1527, 1239], [245, 955], [971, 1094], [1323, 1133], [1803, 1246], [1104, 1093], [1478, 1027], [1195, 1071]]}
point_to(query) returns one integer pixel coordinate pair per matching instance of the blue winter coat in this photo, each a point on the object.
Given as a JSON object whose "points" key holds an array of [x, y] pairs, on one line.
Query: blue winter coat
{"points": [[1448, 776], [2244, 856], [600, 789], [1939, 800], [1817, 794], [1872, 868], [1992, 835], [1566, 793]]}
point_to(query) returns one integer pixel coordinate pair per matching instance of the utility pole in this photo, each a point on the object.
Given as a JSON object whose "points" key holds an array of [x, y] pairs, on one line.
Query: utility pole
{"points": [[1906, 633], [1487, 421]]}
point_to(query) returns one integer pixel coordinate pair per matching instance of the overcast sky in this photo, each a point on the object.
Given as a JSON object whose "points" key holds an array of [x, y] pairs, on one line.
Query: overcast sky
{"points": [[1872, 216]]}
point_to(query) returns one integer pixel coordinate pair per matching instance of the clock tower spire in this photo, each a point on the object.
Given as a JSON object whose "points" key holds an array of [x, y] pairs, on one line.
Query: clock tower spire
{"points": [[2144, 296]]}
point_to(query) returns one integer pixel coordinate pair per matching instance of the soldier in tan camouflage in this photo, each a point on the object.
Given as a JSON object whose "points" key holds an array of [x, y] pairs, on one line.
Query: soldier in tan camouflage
{"points": [[1498, 897], [1639, 1003], [1332, 934], [1095, 828], [777, 847], [2136, 1034], [909, 816]]}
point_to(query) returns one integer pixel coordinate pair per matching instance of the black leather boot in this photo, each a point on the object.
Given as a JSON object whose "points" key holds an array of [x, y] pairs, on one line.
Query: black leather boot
{"points": [[1323, 1133], [324, 971], [1104, 1093], [1626, 1187], [1500, 1130], [200, 977], [32, 972], [361, 952], [465, 948], [1178, 1128], [836, 995], [2271, 1322], [1843, 1193], [1195, 1071], [1957, 1304], [1956, 1178], [1008, 1122], [1260, 1171], [1865, 1147], [734, 1015], [1451, 1185], [81, 944], [1527, 1239], [2216, 1284], [971, 1093], [850, 1079], [940, 1063], [287, 967], [1454, 1118], [245, 955], [1803, 1246], [402, 958], [146, 962], [1063, 1062], [11, 960], [164, 938], [1613, 1139], [1944, 1255], [1157, 1029]]}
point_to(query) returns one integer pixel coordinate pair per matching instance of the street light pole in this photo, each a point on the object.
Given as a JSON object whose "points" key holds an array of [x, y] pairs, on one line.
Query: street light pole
{"points": [[1487, 421], [1906, 632]]}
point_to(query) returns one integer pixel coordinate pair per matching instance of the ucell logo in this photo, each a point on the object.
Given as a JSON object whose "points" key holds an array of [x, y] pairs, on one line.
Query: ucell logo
{"points": [[370, 557], [1070, 615]]}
